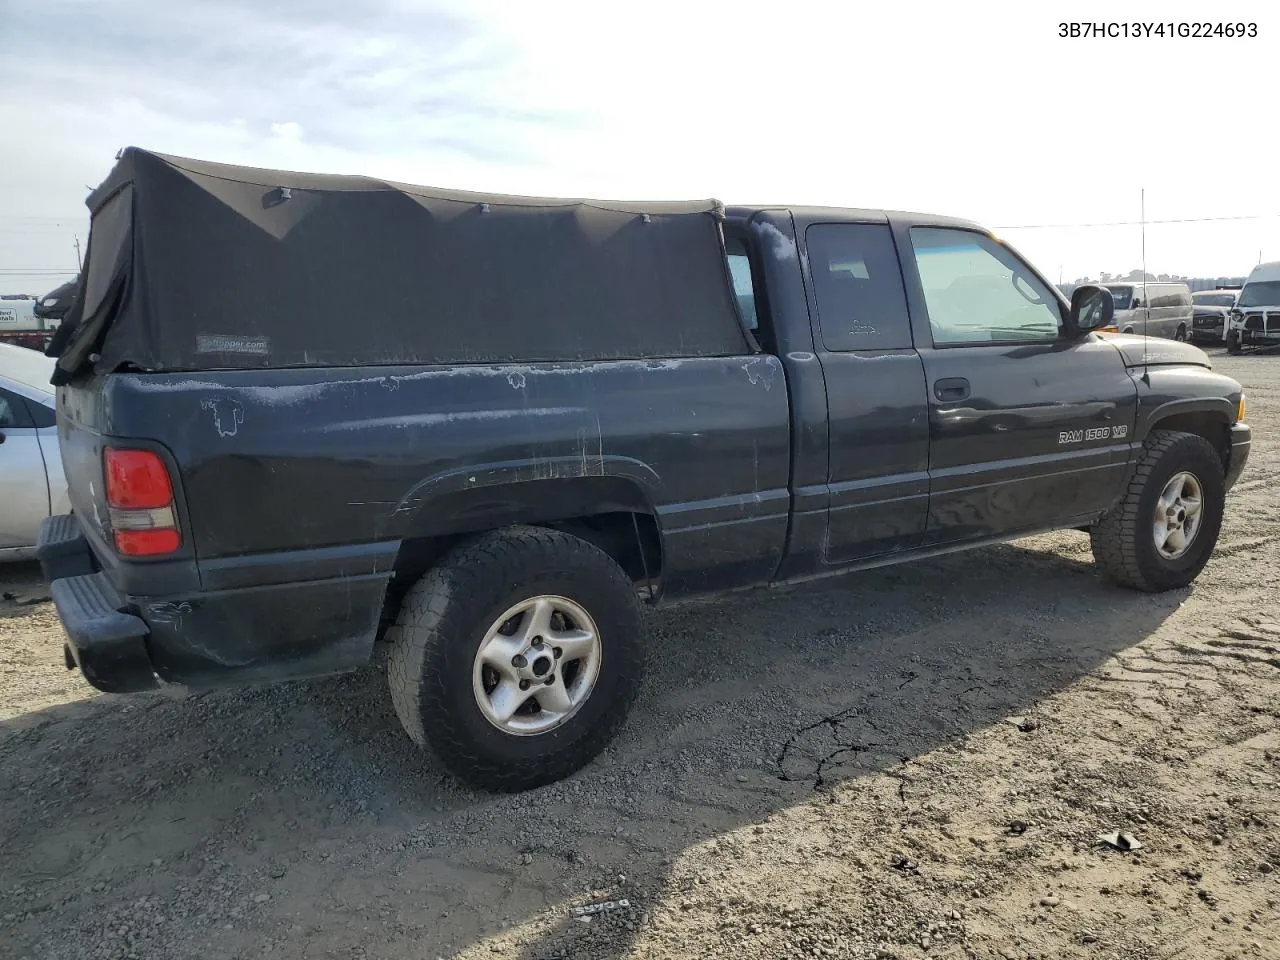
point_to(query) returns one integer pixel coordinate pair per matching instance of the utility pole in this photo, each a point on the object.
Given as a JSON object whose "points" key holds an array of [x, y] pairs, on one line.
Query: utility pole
{"points": [[79, 265]]}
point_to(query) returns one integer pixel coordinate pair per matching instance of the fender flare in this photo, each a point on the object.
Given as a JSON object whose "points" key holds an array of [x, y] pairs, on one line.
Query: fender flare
{"points": [[484, 496], [1216, 406]]}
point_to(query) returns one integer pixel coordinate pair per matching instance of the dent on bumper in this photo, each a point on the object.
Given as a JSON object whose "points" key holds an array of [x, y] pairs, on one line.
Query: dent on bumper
{"points": [[274, 631], [104, 639], [108, 644], [278, 632]]}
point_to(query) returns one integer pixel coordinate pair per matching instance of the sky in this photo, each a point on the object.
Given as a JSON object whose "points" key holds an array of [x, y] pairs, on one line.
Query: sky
{"points": [[973, 109]]}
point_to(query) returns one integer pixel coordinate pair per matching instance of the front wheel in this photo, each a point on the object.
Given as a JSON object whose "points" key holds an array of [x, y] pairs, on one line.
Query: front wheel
{"points": [[1161, 533], [517, 657], [1233, 342], [1181, 334]]}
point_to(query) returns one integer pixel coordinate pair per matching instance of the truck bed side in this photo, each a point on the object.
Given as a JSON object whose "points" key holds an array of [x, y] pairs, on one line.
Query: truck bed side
{"points": [[301, 487]]}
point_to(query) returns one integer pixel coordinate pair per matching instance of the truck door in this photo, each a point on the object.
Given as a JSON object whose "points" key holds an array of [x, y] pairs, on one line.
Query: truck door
{"points": [[1027, 429], [878, 456]]}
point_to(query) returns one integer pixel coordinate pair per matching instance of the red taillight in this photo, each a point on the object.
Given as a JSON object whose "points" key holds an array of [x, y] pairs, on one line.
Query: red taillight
{"points": [[136, 479], [140, 503], [147, 543]]}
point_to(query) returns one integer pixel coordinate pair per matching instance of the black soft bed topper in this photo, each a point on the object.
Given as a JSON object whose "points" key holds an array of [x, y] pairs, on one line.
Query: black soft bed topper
{"points": [[198, 266]]}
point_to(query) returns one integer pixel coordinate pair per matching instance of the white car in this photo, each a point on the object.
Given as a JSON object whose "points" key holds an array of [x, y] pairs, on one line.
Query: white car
{"points": [[32, 485]]}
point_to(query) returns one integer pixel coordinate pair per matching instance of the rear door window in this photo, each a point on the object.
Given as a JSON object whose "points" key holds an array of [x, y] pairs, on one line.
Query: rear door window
{"points": [[41, 415], [857, 283], [13, 411]]}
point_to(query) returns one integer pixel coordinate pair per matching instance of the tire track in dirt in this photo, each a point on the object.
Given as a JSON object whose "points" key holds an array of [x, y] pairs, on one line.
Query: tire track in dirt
{"points": [[151, 827]]}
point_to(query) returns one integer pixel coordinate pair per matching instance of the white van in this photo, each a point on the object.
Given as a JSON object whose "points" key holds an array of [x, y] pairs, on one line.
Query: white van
{"points": [[1255, 321], [1152, 309]]}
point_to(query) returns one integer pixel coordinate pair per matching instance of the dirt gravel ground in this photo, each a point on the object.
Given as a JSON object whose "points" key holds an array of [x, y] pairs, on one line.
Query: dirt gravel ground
{"points": [[905, 763]]}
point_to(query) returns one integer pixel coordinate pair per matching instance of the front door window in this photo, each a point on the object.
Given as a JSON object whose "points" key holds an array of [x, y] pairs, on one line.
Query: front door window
{"points": [[976, 291]]}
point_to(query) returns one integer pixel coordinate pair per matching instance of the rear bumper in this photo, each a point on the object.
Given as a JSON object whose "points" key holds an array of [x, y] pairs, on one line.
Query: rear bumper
{"points": [[107, 643], [1241, 439], [248, 631], [62, 549]]}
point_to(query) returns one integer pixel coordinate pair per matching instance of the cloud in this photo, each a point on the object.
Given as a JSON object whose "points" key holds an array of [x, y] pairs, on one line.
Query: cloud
{"points": [[988, 116], [289, 130], [365, 76], [421, 93]]}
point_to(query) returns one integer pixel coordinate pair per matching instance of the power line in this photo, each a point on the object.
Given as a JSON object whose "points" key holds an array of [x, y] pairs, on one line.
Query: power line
{"points": [[1136, 223], [44, 218]]}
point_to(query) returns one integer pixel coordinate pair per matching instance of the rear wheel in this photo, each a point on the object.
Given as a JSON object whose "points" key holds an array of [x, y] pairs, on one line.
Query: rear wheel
{"points": [[517, 658], [1163, 530]]}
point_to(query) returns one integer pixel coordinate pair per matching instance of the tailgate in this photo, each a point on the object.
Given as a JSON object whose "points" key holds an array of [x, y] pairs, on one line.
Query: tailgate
{"points": [[93, 413], [81, 424]]}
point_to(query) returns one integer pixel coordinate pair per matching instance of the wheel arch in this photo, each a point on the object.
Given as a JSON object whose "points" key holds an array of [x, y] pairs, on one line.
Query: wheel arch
{"points": [[614, 511], [1210, 418]]}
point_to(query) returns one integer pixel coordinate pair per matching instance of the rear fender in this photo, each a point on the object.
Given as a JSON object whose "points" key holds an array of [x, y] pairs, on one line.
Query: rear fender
{"points": [[526, 491]]}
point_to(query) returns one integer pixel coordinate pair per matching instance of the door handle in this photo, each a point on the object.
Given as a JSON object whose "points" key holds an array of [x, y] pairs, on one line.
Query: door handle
{"points": [[951, 388]]}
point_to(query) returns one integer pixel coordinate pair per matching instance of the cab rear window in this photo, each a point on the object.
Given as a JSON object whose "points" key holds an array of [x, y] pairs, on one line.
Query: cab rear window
{"points": [[858, 285]]}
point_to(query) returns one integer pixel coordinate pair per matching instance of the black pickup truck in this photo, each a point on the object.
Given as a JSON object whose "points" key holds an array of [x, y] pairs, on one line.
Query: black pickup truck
{"points": [[299, 413]]}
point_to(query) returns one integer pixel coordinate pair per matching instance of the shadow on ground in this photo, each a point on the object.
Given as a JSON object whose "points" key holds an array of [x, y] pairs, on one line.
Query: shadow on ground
{"points": [[299, 819]]}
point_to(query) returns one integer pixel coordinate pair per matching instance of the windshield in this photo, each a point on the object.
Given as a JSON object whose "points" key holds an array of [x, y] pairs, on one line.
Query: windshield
{"points": [[1214, 299], [1265, 293], [1123, 296]]}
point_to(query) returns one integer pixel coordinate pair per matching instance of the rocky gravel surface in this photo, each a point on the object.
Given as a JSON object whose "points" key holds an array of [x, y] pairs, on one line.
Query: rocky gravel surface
{"points": [[913, 762]]}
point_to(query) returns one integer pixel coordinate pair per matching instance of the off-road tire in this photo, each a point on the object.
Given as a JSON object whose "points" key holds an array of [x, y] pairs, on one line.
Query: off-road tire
{"points": [[1233, 343], [1123, 544], [442, 621]]}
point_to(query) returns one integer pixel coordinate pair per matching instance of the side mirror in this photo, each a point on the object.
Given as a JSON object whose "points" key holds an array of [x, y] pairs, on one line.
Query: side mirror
{"points": [[1137, 303], [1091, 307]]}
